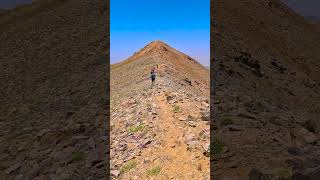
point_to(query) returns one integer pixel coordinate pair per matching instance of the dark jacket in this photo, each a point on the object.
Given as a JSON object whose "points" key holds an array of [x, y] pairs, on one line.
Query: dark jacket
{"points": [[153, 74]]}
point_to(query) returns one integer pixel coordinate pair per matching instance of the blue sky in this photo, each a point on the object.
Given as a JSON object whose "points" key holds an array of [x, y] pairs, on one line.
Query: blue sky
{"points": [[184, 25]]}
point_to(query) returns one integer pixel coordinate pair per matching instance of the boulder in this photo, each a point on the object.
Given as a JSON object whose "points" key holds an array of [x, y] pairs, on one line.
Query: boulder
{"points": [[115, 173], [306, 135], [188, 81], [205, 116], [313, 125]]}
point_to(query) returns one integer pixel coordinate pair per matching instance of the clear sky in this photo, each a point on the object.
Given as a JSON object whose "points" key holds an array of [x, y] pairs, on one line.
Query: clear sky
{"points": [[184, 25]]}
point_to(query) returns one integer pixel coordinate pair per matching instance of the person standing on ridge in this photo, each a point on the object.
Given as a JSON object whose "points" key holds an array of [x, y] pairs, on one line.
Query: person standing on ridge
{"points": [[153, 76]]}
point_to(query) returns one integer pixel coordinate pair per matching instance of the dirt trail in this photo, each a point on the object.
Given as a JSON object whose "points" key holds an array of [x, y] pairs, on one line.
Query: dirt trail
{"points": [[181, 162], [172, 156]]}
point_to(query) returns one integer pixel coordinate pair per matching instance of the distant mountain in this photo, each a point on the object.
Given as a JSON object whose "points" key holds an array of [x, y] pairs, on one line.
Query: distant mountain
{"points": [[304, 8], [2, 11], [313, 19]]}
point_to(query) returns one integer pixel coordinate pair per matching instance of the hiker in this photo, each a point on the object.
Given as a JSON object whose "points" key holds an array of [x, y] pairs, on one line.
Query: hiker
{"points": [[153, 76]]}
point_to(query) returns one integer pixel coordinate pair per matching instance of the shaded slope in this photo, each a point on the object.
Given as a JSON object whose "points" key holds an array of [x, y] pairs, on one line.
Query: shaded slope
{"points": [[53, 102], [266, 67]]}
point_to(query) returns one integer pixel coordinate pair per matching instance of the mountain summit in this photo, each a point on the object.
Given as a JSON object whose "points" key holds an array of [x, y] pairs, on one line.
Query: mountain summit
{"points": [[157, 43], [160, 48], [162, 127], [171, 62], [156, 47]]}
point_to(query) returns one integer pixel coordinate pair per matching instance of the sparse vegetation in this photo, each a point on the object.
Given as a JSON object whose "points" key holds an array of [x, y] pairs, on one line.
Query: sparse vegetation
{"points": [[154, 171], [226, 122], [176, 109], [202, 135], [216, 147], [189, 148], [78, 156], [136, 128], [283, 173], [127, 167]]}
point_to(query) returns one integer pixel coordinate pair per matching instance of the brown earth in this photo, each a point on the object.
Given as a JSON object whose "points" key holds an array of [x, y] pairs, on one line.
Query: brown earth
{"points": [[172, 116], [265, 98], [53, 80]]}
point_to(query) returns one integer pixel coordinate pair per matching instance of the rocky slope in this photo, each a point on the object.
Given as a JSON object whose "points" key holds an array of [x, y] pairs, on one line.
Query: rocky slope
{"points": [[160, 132], [265, 99], [53, 101]]}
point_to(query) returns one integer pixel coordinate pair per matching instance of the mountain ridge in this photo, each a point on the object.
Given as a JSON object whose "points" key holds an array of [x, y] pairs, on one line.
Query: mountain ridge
{"points": [[180, 92]]}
